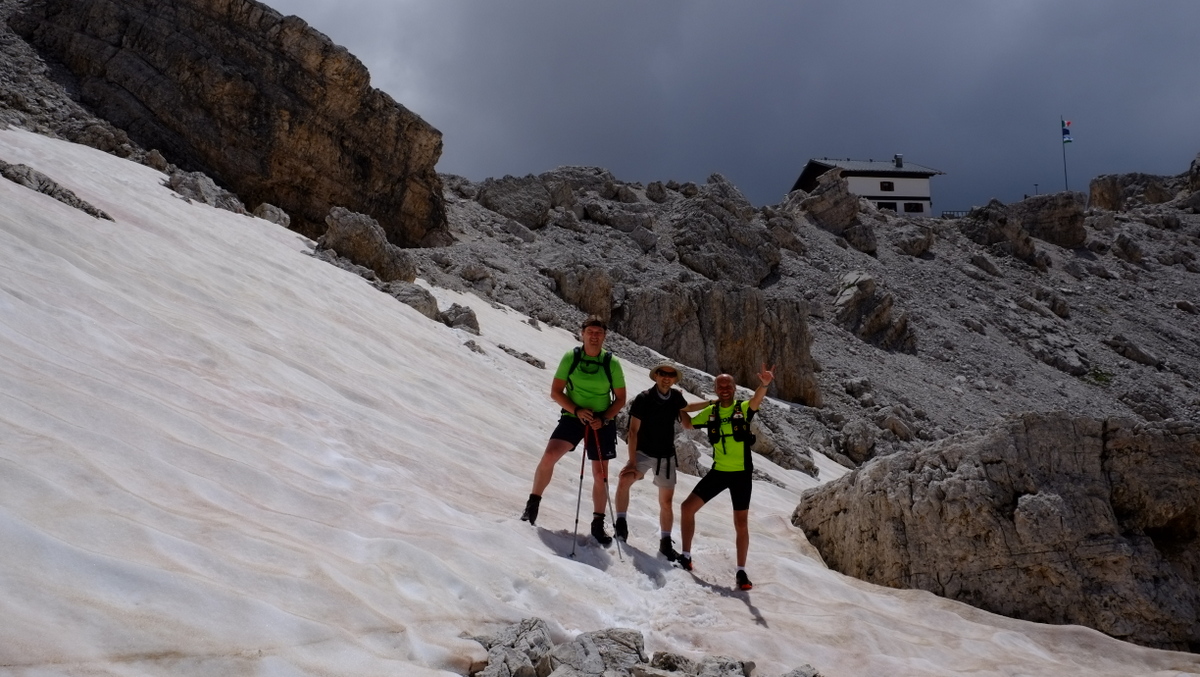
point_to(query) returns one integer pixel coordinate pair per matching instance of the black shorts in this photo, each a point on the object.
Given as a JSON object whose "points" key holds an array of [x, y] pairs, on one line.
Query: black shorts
{"points": [[738, 483], [571, 429]]}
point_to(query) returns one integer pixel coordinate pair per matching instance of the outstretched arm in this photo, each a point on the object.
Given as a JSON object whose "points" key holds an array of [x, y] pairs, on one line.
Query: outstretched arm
{"points": [[765, 376]]}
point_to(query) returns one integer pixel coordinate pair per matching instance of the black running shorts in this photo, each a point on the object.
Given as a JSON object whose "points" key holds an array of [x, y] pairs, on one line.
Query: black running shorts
{"points": [[738, 483], [571, 429]]}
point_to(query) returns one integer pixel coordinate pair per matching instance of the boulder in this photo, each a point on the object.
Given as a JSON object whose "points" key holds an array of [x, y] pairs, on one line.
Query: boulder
{"points": [[414, 295], [1045, 517], [263, 103], [831, 204], [525, 200], [994, 225], [460, 317], [359, 237], [1056, 218], [597, 653], [269, 212], [1131, 350], [199, 187], [912, 239]]}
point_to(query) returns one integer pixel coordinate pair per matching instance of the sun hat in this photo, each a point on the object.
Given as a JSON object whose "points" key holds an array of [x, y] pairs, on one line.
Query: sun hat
{"points": [[667, 364]]}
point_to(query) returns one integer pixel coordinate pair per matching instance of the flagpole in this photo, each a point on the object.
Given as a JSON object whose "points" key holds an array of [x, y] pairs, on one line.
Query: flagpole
{"points": [[1063, 121]]}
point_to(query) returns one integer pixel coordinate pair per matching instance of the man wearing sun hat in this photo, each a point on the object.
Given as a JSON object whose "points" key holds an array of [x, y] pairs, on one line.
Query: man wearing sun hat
{"points": [[589, 385], [652, 418]]}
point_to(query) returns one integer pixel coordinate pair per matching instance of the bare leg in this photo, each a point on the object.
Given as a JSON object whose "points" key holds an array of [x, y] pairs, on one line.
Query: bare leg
{"points": [[624, 482], [599, 495], [666, 516], [741, 524], [687, 519], [555, 449]]}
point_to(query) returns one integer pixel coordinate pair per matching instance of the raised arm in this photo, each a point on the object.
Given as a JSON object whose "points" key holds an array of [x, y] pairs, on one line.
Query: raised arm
{"points": [[765, 376]]}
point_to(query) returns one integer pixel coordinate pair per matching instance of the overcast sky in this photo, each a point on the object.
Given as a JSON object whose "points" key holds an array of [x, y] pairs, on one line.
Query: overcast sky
{"points": [[679, 90]]}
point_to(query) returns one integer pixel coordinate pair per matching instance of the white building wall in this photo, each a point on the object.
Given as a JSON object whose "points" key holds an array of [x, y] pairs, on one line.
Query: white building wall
{"points": [[906, 189], [905, 186]]}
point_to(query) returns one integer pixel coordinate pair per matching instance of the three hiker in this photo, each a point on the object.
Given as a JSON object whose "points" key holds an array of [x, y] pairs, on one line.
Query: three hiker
{"points": [[728, 424], [589, 385]]}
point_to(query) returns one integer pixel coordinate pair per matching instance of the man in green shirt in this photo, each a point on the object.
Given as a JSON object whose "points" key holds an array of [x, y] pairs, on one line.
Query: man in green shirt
{"points": [[728, 424], [589, 385]]}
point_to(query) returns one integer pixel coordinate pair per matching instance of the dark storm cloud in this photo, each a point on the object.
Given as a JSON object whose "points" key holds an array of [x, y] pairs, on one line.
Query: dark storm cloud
{"points": [[680, 90]]}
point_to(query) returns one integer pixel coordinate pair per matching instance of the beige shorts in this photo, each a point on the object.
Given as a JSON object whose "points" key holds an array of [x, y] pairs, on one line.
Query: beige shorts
{"points": [[664, 469]]}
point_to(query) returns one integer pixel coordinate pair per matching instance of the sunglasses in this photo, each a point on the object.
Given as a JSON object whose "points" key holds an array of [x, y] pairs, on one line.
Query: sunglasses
{"points": [[667, 373]]}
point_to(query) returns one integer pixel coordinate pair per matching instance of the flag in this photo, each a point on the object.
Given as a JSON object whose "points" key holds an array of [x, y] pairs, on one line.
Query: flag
{"points": [[1066, 126]]}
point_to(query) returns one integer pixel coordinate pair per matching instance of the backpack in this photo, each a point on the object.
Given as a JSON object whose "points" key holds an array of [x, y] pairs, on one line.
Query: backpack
{"points": [[605, 361]]}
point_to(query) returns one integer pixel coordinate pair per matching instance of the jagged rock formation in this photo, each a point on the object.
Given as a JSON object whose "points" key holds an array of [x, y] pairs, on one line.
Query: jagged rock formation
{"points": [[1045, 517], [677, 273], [527, 648], [866, 311], [261, 102], [1119, 192], [835, 209]]}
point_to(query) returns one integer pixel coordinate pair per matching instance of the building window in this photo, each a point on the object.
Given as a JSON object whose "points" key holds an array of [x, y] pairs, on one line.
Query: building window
{"points": [[913, 207], [887, 186], [886, 205]]}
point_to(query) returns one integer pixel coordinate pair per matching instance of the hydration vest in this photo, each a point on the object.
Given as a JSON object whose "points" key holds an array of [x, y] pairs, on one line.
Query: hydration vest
{"points": [[739, 424]]}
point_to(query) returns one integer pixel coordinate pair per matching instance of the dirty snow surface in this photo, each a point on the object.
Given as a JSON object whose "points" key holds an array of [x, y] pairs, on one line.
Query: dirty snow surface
{"points": [[222, 456]]}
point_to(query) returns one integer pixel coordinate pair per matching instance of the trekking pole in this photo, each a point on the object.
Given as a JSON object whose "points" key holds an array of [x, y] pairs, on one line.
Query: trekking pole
{"points": [[579, 501], [612, 514]]}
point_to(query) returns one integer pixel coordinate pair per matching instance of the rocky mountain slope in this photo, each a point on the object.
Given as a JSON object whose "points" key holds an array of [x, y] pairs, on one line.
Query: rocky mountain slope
{"points": [[888, 332]]}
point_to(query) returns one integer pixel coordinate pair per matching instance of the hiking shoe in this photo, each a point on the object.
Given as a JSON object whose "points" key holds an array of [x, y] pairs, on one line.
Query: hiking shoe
{"points": [[621, 529], [684, 562], [743, 581], [531, 510], [667, 547], [598, 531]]}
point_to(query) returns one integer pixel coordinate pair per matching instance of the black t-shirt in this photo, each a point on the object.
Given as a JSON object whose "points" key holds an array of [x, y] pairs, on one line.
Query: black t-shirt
{"points": [[656, 435]]}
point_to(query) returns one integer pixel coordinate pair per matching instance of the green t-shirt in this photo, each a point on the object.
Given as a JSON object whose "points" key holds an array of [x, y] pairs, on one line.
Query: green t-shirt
{"points": [[729, 455], [588, 386]]}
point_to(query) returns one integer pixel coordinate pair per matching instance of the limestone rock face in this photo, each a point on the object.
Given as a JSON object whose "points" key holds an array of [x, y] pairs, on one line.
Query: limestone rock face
{"points": [[1056, 218], [1120, 192], [1043, 517], [266, 105], [703, 326]]}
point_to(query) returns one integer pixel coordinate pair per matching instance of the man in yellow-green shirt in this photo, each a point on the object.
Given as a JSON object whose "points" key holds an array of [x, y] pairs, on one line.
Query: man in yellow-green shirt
{"points": [[728, 425], [589, 385]]}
